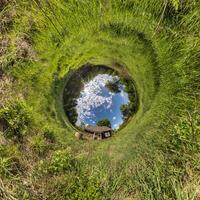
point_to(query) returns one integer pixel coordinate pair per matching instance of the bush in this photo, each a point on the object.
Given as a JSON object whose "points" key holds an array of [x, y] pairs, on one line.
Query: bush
{"points": [[18, 117], [61, 161], [38, 144]]}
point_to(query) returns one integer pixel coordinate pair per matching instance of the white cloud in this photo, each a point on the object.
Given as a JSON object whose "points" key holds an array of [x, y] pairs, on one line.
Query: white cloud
{"points": [[91, 97], [116, 126]]}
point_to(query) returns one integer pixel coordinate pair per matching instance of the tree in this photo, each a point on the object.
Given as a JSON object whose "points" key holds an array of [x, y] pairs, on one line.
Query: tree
{"points": [[113, 86], [125, 109], [72, 113], [104, 122]]}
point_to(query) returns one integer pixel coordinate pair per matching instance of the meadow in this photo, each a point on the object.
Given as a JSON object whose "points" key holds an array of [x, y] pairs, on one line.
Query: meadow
{"points": [[156, 156]]}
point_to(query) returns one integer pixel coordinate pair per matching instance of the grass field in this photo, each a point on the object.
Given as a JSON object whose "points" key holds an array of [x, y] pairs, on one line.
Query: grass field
{"points": [[156, 156]]}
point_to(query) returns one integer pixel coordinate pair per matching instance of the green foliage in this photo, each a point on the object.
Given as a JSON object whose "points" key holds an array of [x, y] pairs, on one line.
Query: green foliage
{"points": [[5, 166], [84, 188], [175, 4], [49, 136], [61, 161], [130, 108], [113, 86], [73, 115], [39, 144], [18, 117], [125, 110], [9, 160], [71, 110], [104, 122]]}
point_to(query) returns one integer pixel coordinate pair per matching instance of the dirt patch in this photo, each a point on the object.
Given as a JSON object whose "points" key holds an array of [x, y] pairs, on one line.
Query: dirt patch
{"points": [[24, 48]]}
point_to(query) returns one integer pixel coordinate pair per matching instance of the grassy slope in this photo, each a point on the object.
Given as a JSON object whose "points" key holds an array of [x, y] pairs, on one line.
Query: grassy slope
{"points": [[156, 155]]}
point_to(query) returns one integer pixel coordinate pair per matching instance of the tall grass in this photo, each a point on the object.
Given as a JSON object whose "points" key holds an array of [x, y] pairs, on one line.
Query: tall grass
{"points": [[156, 156]]}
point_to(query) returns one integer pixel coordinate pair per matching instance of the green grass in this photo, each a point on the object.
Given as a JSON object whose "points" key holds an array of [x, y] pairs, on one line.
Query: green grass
{"points": [[156, 155]]}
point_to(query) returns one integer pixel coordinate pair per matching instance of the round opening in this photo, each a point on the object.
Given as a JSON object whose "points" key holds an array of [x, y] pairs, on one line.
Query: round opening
{"points": [[98, 95]]}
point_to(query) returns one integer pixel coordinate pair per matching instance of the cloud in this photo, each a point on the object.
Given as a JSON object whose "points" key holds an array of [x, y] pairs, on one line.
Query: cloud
{"points": [[116, 126], [91, 97]]}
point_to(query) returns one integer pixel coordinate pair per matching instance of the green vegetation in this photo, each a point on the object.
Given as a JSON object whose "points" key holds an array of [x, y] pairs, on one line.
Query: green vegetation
{"points": [[126, 111], [18, 118], [130, 109], [104, 122], [113, 86], [156, 155]]}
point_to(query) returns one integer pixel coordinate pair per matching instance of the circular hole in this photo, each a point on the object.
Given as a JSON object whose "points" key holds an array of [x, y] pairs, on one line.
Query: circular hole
{"points": [[98, 95]]}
